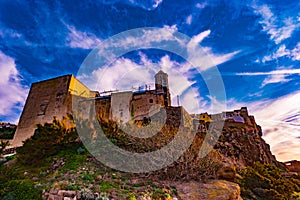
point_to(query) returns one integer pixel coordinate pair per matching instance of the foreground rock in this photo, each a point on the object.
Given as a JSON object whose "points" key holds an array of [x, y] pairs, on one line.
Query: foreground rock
{"points": [[213, 190]]}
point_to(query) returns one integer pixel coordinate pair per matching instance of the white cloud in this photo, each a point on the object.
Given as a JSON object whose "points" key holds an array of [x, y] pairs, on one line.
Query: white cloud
{"points": [[189, 20], [282, 51], [280, 71], [157, 3], [280, 119], [281, 78], [278, 29], [124, 75], [295, 53], [275, 76], [201, 5], [147, 38], [12, 94], [9, 33], [203, 57], [83, 40]]}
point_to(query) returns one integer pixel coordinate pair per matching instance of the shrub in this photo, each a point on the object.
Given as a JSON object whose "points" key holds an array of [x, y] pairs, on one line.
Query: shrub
{"points": [[267, 182], [48, 139], [3, 145], [7, 132], [19, 190]]}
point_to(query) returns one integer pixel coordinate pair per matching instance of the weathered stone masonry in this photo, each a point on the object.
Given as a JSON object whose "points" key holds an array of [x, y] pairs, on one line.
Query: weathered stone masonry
{"points": [[53, 98]]}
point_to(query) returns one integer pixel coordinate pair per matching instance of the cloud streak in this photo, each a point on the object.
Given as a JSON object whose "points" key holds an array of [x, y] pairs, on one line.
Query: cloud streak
{"points": [[282, 51], [203, 57], [189, 20], [278, 29], [275, 72], [275, 76], [13, 93], [79, 39]]}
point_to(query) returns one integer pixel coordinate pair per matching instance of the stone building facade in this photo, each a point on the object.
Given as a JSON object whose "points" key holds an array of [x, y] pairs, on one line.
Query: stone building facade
{"points": [[53, 98], [46, 100], [125, 106], [237, 118]]}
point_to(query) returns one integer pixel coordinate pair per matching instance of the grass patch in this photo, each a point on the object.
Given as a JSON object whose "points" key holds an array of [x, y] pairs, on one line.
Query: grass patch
{"points": [[104, 186], [19, 190]]}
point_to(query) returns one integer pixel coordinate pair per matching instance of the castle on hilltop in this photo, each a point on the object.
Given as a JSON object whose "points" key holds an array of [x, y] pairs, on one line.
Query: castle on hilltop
{"points": [[53, 98]]}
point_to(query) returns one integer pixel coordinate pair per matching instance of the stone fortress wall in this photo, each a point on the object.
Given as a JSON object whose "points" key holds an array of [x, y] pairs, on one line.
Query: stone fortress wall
{"points": [[46, 100], [53, 98]]}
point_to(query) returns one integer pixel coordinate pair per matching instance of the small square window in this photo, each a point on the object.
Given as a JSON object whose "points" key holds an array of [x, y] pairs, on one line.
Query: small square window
{"points": [[150, 100]]}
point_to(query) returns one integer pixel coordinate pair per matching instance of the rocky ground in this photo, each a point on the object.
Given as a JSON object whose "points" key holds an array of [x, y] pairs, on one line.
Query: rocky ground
{"points": [[239, 165]]}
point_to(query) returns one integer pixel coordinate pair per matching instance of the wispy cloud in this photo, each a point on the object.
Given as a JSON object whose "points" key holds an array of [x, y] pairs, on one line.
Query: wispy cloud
{"points": [[157, 3], [275, 76], [201, 5], [278, 29], [279, 78], [203, 57], [13, 93], [189, 20], [280, 119], [282, 51], [80, 39], [125, 74], [123, 71], [274, 72], [148, 4], [9, 33]]}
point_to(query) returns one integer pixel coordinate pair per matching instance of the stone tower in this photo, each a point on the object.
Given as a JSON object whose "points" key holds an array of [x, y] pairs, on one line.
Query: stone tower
{"points": [[48, 99], [162, 86]]}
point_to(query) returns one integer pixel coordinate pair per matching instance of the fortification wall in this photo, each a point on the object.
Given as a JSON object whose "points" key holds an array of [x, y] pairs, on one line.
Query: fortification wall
{"points": [[103, 108], [120, 106], [143, 103], [46, 100]]}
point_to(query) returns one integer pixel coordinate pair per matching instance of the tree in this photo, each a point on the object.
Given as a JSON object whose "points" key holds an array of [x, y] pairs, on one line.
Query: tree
{"points": [[3, 145]]}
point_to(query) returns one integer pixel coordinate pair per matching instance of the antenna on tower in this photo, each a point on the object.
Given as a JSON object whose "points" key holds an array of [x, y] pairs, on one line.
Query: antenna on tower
{"points": [[178, 100]]}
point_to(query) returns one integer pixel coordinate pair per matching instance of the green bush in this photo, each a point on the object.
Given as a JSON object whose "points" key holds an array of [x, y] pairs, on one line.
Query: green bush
{"points": [[48, 139], [19, 190], [267, 182], [7, 132], [3, 145]]}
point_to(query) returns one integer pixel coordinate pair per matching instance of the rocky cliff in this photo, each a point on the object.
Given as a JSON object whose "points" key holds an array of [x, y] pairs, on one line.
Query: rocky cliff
{"points": [[242, 149], [293, 166]]}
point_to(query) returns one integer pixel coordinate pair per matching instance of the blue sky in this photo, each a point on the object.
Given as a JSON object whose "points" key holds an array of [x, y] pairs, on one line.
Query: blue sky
{"points": [[254, 44]]}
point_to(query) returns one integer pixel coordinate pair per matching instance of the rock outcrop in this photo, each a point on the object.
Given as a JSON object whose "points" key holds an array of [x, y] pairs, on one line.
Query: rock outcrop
{"points": [[213, 190], [293, 166], [240, 148]]}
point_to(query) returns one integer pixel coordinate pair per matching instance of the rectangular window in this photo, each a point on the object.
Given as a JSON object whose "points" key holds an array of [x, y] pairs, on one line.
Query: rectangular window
{"points": [[43, 108]]}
